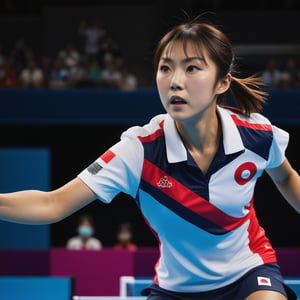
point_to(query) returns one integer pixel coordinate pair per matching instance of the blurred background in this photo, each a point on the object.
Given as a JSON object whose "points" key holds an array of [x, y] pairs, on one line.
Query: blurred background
{"points": [[75, 74]]}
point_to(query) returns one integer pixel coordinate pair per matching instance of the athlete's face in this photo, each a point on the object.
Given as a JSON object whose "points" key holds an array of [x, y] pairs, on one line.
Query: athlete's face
{"points": [[187, 82]]}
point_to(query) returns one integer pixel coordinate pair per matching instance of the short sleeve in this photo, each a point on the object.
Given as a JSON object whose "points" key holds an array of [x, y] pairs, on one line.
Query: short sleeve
{"points": [[278, 148], [117, 170]]}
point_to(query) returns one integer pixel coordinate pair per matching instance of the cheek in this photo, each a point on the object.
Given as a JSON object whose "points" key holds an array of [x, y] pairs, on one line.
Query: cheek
{"points": [[162, 90], [161, 82], [203, 83]]}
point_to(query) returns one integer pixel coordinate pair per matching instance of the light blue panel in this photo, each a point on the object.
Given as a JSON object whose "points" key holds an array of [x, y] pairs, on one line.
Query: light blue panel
{"points": [[35, 288], [23, 169], [138, 285]]}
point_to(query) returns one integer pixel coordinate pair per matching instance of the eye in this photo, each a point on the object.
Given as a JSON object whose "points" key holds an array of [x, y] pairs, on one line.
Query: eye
{"points": [[164, 68], [192, 69]]}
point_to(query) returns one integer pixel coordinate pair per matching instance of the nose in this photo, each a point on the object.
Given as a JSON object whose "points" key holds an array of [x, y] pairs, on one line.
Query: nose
{"points": [[176, 83], [175, 87]]}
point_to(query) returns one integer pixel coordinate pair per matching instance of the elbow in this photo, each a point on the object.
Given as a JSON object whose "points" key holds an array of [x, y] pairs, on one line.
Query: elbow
{"points": [[55, 218], [56, 209], [57, 214]]}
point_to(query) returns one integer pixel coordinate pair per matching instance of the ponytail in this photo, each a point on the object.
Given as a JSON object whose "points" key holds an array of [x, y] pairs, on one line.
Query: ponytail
{"points": [[247, 94]]}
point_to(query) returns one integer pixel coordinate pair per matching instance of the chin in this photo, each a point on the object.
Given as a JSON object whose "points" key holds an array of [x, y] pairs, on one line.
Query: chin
{"points": [[183, 116]]}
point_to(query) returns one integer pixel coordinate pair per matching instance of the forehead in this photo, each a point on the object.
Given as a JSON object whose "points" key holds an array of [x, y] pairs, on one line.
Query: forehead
{"points": [[85, 222], [185, 48]]}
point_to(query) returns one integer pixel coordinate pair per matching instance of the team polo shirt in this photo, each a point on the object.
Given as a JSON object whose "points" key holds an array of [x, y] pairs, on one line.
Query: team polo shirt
{"points": [[206, 225]]}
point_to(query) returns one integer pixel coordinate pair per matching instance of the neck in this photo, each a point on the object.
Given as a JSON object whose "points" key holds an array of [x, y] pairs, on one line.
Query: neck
{"points": [[201, 133], [84, 239], [125, 243]]}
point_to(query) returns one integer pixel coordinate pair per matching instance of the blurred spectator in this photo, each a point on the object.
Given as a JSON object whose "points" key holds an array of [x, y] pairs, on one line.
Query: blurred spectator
{"points": [[109, 49], [95, 70], [286, 81], [8, 75], [85, 81], [59, 74], [46, 65], [19, 55], [76, 74], [85, 239], [125, 236], [31, 76], [271, 75], [128, 80], [93, 36], [70, 56], [292, 73], [110, 76]]}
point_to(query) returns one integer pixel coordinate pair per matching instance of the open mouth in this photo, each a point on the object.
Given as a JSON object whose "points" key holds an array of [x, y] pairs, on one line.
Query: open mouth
{"points": [[177, 100]]}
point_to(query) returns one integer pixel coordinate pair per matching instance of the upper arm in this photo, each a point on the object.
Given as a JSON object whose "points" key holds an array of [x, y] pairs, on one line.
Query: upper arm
{"points": [[287, 181], [71, 197]]}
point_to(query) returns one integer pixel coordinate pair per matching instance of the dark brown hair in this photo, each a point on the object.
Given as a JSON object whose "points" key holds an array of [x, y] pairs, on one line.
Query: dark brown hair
{"points": [[245, 91]]}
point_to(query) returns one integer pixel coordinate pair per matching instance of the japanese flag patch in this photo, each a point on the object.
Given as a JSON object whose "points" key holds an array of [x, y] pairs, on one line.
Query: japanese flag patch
{"points": [[264, 281]]}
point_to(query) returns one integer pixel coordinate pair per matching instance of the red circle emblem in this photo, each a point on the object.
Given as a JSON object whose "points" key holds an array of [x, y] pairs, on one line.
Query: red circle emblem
{"points": [[245, 172]]}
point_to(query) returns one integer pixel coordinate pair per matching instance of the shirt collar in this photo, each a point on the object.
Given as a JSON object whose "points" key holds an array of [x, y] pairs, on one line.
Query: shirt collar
{"points": [[232, 140], [176, 151]]}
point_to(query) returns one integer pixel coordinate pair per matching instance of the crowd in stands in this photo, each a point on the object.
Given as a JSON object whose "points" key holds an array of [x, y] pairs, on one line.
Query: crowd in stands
{"points": [[286, 75], [100, 64], [97, 62]]}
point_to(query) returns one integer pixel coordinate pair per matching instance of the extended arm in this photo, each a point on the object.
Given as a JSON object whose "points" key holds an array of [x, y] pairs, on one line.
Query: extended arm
{"points": [[37, 207], [287, 181]]}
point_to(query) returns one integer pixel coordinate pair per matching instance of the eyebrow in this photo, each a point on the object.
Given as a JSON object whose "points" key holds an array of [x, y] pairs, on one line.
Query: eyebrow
{"points": [[184, 61]]}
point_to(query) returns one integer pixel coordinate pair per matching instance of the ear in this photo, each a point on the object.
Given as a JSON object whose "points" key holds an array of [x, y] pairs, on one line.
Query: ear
{"points": [[224, 84]]}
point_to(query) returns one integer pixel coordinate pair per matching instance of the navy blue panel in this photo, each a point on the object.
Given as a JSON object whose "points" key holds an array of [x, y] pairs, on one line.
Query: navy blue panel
{"points": [[182, 211], [155, 151], [258, 141]]}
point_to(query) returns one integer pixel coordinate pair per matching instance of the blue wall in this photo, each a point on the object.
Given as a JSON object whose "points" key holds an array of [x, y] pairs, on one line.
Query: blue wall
{"points": [[35, 288], [24, 168]]}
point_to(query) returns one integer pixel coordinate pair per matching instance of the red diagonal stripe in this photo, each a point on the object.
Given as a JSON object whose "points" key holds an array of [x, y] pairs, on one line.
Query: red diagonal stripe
{"points": [[233, 109], [152, 137], [180, 193], [238, 122]]}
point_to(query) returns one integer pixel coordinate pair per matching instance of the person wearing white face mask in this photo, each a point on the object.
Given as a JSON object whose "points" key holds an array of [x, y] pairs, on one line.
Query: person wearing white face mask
{"points": [[85, 239]]}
